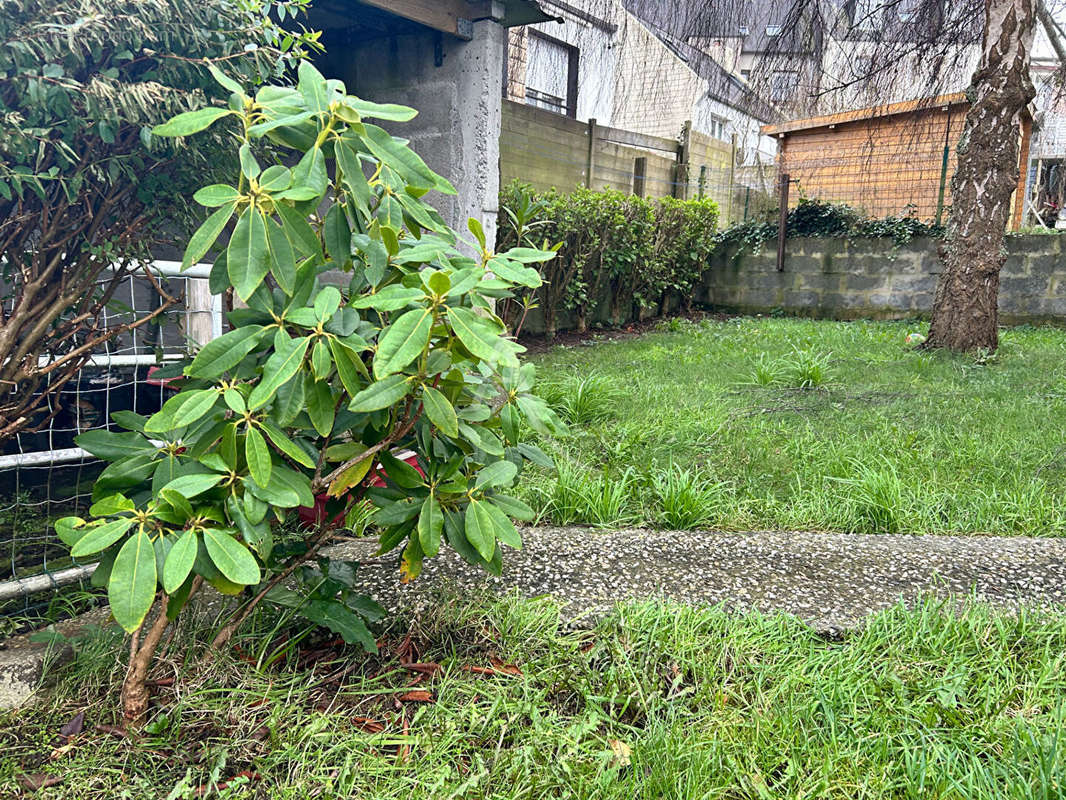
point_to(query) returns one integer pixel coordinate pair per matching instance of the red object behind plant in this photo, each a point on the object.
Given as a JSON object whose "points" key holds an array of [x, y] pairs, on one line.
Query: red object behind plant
{"points": [[314, 516], [160, 381]]}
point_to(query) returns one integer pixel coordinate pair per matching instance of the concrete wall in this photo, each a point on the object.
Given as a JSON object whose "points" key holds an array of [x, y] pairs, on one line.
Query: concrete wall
{"points": [[457, 129], [838, 279], [549, 151]]}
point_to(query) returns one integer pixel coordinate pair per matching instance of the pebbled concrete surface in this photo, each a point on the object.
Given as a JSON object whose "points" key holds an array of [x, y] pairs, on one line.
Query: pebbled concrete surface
{"points": [[829, 580], [22, 661]]}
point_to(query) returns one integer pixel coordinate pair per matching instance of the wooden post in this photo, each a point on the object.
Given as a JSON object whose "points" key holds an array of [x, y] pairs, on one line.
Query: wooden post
{"points": [[684, 155], [590, 162], [782, 220], [732, 178], [640, 172], [199, 302]]}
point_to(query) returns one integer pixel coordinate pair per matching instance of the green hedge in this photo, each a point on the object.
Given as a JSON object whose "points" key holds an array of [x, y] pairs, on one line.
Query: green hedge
{"points": [[621, 257]]}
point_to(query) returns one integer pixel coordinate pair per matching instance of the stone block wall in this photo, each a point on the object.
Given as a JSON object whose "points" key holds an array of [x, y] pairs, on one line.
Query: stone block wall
{"points": [[870, 278]]}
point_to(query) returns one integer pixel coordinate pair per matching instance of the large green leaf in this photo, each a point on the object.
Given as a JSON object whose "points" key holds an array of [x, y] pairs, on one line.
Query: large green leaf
{"points": [[182, 409], [279, 368], [430, 525], [248, 254], [189, 486], [313, 88], [391, 298], [499, 473], [505, 529], [101, 537], [480, 529], [179, 562], [309, 176], [478, 337], [111, 505], [512, 507], [112, 445], [70, 530], [217, 194], [191, 122], [403, 160], [525, 276], [381, 394], [400, 472], [282, 257], [337, 235], [352, 176], [403, 341], [388, 111], [343, 622], [440, 411], [286, 445], [206, 235], [290, 400], [131, 588], [320, 407], [346, 368], [258, 456], [232, 558], [226, 352]]}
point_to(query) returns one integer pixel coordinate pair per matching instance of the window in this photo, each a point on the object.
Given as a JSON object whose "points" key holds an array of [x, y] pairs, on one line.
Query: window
{"points": [[868, 15], [907, 9], [716, 128], [783, 84], [773, 30], [743, 30], [551, 74]]}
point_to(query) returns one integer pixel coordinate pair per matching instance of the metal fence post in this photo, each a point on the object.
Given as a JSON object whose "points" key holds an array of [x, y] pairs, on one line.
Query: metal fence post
{"points": [[782, 220], [590, 162], [732, 179]]}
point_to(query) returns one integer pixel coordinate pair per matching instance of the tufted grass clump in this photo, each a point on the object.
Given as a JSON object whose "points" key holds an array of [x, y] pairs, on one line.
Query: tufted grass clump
{"points": [[685, 499]]}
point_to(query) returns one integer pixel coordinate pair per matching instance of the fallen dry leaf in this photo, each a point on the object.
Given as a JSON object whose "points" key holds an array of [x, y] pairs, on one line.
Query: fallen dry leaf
{"points": [[507, 669], [427, 668], [113, 730], [368, 725], [39, 780], [61, 751], [417, 696], [73, 728], [621, 751]]}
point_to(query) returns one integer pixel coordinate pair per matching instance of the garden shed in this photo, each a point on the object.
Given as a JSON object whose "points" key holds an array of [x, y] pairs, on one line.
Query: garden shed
{"points": [[888, 159]]}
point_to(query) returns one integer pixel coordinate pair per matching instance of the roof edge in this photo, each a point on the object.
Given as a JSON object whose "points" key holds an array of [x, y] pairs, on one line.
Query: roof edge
{"points": [[870, 112], [524, 12]]}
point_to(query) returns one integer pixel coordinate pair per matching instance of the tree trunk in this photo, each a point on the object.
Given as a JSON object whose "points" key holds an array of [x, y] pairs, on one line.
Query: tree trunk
{"points": [[965, 305], [134, 692]]}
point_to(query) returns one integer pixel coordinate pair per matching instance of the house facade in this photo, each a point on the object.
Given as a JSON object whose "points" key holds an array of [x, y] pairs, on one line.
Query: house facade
{"points": [[598, 60]]}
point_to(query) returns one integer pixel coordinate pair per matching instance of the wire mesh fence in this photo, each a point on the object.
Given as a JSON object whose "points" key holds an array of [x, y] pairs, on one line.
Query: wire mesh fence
{"points": [[44, 475]]}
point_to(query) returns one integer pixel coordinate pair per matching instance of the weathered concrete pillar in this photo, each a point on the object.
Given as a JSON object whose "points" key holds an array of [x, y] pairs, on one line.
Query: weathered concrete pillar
{"points": [[456, 86]]}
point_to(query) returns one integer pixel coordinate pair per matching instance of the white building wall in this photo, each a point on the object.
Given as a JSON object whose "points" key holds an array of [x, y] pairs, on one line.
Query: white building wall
{"points": [[597, 55]]}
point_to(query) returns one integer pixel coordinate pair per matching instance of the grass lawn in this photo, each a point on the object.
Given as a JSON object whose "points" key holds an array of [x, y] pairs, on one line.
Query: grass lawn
{"points": [[764, 423], [655, 702]]}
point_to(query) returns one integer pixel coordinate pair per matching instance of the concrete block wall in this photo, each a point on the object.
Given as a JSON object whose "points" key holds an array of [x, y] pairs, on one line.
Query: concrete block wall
{"points": [[872, 279]]}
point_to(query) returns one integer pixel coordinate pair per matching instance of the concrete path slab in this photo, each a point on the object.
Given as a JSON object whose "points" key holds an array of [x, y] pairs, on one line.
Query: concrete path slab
{"points": [[831, 581]]}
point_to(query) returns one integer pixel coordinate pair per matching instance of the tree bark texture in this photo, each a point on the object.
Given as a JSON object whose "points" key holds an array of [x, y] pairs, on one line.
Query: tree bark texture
{"points": [[134, 693], [965, 313]]}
